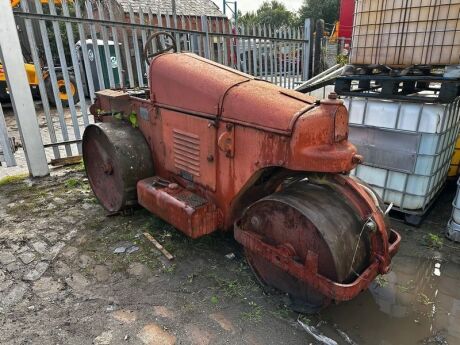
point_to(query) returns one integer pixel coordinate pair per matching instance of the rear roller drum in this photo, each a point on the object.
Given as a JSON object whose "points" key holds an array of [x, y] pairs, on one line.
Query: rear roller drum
{"points": [[304, 217], [116, 157]]}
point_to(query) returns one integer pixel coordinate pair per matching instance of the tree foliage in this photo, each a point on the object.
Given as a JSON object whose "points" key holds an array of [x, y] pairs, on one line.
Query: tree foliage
{"points": [[247, 19], [275, 13], [319, 9], [271, 12]]}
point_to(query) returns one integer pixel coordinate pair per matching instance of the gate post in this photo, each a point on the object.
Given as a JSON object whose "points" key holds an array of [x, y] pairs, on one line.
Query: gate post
{"points": [[306, 49], [205, 29], [318, 44], [21, 96]]}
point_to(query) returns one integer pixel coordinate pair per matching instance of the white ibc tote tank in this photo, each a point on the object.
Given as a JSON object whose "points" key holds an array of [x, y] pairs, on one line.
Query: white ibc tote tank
{"points": [[407, 148]]}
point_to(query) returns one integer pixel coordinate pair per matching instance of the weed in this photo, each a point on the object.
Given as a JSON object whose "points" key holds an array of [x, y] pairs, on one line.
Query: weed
{"points": [[78, 167], [424, 299], [381, 281], [13, 179], [342, 59], [255, 314], [92, 200], [304, 319], [433, 240], [169, 269], [72, 183], [118, 116], [231, 287], [241, 268], [282, 312], [214, 300], [406, 287], [133, 119], [191, 278]]}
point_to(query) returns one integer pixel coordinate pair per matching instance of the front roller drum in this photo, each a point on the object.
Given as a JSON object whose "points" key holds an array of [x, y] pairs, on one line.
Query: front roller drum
{"points": [[301, 233], [116, 157]]}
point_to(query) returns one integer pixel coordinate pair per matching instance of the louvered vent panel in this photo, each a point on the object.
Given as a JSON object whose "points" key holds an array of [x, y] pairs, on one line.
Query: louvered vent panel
{"points": [[186, 152]]}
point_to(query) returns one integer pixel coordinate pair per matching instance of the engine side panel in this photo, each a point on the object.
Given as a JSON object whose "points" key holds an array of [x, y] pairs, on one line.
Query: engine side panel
{"points": [[190, 144]]}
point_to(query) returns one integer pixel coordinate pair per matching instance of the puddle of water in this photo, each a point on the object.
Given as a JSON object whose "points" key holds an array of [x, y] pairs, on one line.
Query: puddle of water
{"points": [[418, 302]]}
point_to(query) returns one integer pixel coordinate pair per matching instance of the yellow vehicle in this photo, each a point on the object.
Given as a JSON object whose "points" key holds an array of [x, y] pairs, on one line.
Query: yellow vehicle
{"points": [[454, 169], [15, 3], [33, 82], [33, 78]]}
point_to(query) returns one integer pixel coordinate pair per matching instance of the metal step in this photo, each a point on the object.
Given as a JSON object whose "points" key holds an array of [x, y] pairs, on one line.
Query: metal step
{"points": [[185, 210]]}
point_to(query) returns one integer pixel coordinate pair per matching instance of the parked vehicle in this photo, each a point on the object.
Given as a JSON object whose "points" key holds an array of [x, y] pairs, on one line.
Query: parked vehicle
{"points": [[33, 82], [33, 77]]}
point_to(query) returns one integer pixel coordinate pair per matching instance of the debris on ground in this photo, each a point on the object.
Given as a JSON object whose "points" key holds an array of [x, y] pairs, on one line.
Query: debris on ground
{"points": [[125, 247], [230, 256], [344, 335], [315, 333], [119, 250], [436, 339], [132, 249], [157, 244]]}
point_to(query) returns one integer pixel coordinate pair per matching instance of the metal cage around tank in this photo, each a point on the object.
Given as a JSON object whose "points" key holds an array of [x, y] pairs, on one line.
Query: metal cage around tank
{"points": [[406, 160]]}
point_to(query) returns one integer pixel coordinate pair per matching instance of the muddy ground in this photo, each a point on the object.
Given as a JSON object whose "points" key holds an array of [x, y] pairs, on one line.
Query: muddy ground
{"points": [[62, 282]]}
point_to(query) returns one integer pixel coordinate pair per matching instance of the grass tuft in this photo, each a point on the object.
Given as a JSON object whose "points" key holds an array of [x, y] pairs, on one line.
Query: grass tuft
{"points": [[381, 281], [433, 241], [13, 179], [254, 314], [73, 183]]}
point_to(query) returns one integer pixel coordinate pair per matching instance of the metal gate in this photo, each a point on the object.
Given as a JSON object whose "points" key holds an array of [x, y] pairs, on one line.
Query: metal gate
{"points": [[77, 48], [7, 143]]}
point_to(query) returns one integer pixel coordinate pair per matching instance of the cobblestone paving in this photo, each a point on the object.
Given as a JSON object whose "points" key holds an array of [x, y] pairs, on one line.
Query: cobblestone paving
{"points": [[62, 282]]}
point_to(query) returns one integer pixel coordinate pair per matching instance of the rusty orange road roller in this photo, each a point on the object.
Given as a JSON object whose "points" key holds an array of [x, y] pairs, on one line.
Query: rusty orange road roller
{"points": [[215, 149]]}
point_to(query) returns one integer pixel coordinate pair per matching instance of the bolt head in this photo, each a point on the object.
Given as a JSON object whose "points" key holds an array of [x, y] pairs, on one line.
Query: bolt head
{"points": [[371, 225], [107, 168], [255, 222]]}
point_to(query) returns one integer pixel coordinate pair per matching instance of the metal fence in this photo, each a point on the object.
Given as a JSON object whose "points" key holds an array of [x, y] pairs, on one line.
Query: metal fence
{"points": [[333, 51], [77, 48], [6, 143]]}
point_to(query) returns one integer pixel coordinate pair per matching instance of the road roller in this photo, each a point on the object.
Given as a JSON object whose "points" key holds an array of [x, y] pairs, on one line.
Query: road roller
{"points": [[208, 148]]}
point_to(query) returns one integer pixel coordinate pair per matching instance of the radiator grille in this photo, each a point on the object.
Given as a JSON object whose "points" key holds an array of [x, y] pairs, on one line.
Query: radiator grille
{"points": [[186, 152]]}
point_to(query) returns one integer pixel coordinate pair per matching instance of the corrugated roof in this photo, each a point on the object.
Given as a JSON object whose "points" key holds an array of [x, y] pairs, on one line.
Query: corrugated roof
{"points": [[183, 7]]}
